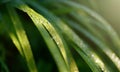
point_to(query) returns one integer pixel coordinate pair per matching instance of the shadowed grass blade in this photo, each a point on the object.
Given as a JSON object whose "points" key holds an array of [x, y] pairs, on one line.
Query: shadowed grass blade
{"points": [[3, 66]]}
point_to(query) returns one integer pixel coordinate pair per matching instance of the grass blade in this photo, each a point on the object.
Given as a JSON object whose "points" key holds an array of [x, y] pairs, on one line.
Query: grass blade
{"points": [[3, 66], [71, 61], [109, 30], [84, 21], [100, 44], [22, 37], [41, 24], [62, 27]]}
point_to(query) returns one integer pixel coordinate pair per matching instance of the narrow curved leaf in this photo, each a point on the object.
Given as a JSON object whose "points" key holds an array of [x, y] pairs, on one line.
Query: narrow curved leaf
{"points": [[22, 40], [42, 24], [112, 33], [101, 45], [55, 20]]}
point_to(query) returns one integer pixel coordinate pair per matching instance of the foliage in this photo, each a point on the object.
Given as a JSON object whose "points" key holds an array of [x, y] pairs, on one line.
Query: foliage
{"points": [[56, 35]]}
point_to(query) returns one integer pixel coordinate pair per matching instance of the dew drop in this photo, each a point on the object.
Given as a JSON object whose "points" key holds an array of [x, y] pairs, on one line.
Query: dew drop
{"points": [[97, 61], [37, 21], [92, 55], [57, 43], [113, 55], [54, 37], [76, 71], [102, 69]]}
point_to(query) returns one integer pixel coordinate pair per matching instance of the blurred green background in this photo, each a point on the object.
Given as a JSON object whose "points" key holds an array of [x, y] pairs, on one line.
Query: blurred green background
{"points": [[12, 61]]}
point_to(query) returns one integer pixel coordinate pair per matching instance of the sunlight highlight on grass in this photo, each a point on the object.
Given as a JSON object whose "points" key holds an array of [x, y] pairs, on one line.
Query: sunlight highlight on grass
{"points": [[16, 42], [23, 40]]}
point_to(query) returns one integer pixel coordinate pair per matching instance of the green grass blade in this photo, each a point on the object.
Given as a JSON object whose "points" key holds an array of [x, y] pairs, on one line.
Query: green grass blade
{"points": [[109, 30], [71, 61], [81, 45], [100, 44], [93, 61], [51, 17], [84, 21], [15, 40], [80, 18], [62, 27], [22, 37], [3, 66], [41, 23]]}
